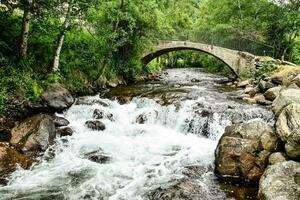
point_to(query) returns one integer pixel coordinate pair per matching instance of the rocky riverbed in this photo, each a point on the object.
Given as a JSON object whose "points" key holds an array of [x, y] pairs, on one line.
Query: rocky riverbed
{"points": [[186, 134]]}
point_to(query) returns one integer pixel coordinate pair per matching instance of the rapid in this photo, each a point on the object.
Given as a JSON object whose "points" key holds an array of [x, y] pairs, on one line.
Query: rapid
{"points": [[158, 134]]}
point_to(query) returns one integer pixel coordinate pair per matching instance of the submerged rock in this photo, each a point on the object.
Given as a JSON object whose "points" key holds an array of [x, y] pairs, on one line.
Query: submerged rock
{"points": [[101, 114], [98, 156], [95, 125], [243, 150], [288, 129], [57, 97], [34, 134], [281, 181], [10, 159]]}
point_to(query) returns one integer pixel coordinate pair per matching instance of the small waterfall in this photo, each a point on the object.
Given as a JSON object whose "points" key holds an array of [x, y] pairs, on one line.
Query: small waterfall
{"points": [[148, 145]]}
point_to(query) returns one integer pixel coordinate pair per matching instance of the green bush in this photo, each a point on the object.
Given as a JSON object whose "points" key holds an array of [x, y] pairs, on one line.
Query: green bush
{"points": [[266, 68]]}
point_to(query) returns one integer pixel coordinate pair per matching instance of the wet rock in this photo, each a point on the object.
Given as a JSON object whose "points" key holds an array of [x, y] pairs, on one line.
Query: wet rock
{"points": [[95, 125], [259, 97], [187, 188], [286, 97], [277, 157], [243, 83], [34, 134], [101, 114], [281, 181], [60, 121], [57, 97], [243, 150], [263, 86], [264, 102], [64, 131], [194, 80], [89, 102], [124, 99], [272, 93], [98, 156], [249, 100], [98, 114], [251, 91], [288, 129], [141, 119], [10, 159]]}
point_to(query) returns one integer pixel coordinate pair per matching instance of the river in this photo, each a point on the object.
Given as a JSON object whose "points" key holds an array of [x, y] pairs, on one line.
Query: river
{"points": [[158, 143]]}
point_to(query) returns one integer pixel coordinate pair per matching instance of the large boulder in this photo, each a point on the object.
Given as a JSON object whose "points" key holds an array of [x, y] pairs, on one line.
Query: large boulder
{"points": [[286, 97], [243, 150], [57, 97], [34, 134], [281, 181], [288, 129], [272, 93], [10, 159]]}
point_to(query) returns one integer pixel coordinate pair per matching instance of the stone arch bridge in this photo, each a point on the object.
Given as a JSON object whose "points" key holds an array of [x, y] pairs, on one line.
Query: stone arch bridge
{"points": [[241, 63]]}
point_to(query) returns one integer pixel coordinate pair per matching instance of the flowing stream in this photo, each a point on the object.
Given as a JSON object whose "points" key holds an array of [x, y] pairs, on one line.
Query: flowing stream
{"points": [[164, 135]]}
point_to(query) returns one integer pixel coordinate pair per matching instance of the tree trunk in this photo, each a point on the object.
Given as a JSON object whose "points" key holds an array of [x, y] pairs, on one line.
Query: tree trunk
{"points": [[283, 54], [25, 33], [59, 44]]}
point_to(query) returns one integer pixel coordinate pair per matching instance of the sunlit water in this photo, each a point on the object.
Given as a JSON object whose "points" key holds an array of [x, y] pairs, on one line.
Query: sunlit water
{"points": [[143, 157]]}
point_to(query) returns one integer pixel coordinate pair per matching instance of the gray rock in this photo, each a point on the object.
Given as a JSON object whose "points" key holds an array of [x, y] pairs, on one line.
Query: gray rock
{"points": [[285, 98], [288, 129], [272, 93], [243, 150], [244, 83], [89, 102], [101, 114], [60, 121], [64, 131], [281, 181], [98, 156], [95, 125], [98, 114], [297, 80], [34, 134], [277, 157], [57, 97], [251, 91], [264, 86]]}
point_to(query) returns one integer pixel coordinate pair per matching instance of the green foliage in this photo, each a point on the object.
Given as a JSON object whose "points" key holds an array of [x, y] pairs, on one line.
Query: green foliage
{"points": [[196, 60], [18, 82], [266, 69], [104, 40]]}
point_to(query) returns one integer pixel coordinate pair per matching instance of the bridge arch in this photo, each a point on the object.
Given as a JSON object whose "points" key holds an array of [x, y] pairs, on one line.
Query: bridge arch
{"points": [[237, 61]]}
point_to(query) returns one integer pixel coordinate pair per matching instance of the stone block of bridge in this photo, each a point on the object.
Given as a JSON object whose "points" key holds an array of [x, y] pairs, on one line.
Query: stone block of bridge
{"points": [[241, 63]]}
